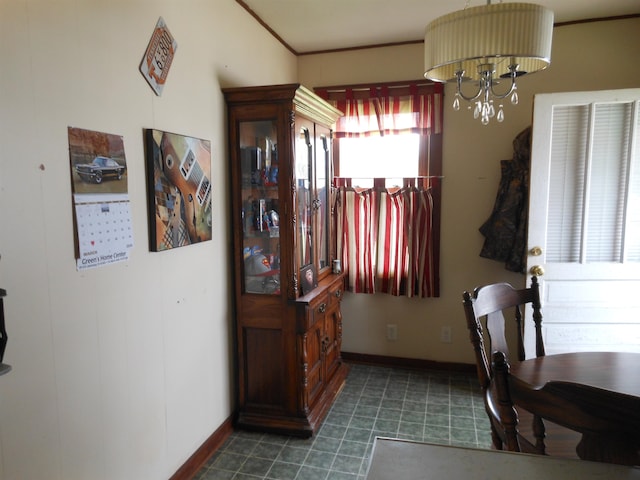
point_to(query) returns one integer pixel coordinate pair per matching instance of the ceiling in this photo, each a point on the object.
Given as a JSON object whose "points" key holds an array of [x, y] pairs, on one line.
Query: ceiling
{"points": [[317, 25]]}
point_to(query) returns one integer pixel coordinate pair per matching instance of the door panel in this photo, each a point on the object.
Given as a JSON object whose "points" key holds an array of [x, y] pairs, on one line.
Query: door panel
{"points": [[583, 206]]}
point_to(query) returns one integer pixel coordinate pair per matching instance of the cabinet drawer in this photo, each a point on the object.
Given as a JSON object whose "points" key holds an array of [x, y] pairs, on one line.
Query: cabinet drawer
{"points": [[316, 311], [335, 293]]}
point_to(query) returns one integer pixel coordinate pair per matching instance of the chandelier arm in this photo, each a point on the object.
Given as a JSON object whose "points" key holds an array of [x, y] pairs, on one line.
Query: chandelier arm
{"points": [[508, 92], [459, 75]]}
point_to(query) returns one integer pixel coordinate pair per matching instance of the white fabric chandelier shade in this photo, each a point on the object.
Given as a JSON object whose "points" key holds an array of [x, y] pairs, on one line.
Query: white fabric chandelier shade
{"points": [[502, 34]]}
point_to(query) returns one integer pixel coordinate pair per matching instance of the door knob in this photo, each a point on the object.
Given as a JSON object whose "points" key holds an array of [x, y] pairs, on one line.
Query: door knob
{"points": [[536, 270], [535, 251]]}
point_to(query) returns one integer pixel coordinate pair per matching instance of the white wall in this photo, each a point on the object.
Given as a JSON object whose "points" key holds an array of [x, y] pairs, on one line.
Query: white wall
{"points": [[590, 56], [123, 371]]}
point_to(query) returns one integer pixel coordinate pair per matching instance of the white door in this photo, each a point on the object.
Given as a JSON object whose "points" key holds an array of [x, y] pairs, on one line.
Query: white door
{"points": [[584, 217]]}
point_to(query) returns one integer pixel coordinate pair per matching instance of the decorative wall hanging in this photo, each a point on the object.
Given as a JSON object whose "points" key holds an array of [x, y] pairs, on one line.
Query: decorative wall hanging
{"points": [[158, 57], [102, 213], [179, 189]]}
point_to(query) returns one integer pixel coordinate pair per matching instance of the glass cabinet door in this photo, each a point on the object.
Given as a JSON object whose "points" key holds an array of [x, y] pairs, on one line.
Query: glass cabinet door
{"points": [[260, 207], [303, 173], [322, 194]]}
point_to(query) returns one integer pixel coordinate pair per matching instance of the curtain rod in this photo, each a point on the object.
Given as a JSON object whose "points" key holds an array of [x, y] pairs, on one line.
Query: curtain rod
{"points": [[368, 86]]}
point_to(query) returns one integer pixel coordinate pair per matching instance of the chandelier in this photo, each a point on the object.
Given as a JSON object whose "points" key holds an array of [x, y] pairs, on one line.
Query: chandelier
{"points": [[487, 46]]}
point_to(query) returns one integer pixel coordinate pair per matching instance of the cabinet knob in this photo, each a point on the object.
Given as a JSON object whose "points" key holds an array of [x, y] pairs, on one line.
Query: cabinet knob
{"points": [[325, 343], [338, 293], [322, 307]]}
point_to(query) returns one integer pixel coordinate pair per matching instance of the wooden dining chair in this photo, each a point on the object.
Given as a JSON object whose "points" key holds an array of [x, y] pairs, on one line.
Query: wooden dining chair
{"points": [[492, 305]]}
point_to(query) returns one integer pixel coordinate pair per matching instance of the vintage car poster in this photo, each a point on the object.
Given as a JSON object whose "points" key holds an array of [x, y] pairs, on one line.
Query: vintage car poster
{"points": [[179, 189], [158, 57], [102, 214]]}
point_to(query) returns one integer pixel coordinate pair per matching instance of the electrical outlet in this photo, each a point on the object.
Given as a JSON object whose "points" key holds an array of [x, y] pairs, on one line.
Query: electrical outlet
{"points": [[445, 334], [392, 333]]}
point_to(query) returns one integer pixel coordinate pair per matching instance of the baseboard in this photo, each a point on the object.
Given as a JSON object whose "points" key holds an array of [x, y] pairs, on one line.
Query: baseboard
{"points": [[208, 448], [413, 363]]}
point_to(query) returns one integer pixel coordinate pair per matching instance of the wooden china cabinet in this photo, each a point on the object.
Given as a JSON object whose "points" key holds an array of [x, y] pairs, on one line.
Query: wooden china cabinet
{"points": [[288, 341]]}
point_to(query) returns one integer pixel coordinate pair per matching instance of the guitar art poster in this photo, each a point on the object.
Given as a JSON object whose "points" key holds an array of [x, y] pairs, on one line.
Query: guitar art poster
{"points": [[179, 189]]}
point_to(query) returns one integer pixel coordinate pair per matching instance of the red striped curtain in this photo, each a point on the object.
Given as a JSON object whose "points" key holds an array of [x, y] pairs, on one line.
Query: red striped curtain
{"points": [[386, 236], [384, 113], [385, 240]]}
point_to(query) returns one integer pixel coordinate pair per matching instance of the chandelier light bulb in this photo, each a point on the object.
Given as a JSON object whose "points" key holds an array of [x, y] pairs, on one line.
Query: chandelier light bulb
{"points": [[514, 96], [456, 102]]}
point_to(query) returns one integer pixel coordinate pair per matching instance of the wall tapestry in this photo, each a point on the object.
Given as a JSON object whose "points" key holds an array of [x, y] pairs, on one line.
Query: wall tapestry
{"points": [[179, 189]]}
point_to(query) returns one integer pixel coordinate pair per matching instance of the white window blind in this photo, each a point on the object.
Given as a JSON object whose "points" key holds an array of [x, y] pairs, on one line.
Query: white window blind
{"points": [[595, 175]]}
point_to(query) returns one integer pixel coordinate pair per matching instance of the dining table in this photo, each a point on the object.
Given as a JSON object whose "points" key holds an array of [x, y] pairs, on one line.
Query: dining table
{"points": [[392, 458], [594, 393]]}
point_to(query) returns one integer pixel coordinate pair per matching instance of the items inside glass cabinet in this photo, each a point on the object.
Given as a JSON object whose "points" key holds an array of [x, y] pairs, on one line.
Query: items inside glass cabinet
{"points": [[260, 207]]}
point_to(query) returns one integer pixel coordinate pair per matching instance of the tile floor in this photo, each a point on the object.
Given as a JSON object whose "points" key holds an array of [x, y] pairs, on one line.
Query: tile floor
{"points": [[429, 406]]}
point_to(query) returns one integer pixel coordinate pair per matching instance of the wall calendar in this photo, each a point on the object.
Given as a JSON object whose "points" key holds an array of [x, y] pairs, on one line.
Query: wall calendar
{"points": [[102, 213]]}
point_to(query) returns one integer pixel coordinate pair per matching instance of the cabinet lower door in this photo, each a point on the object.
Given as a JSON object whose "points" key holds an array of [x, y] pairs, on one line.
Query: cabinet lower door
{"points": [[333, 337], [314, 363]]}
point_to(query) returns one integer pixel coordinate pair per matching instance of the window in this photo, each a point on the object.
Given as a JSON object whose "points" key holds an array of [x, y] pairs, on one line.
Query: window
{"points": [[366, 158], [387, 163]]}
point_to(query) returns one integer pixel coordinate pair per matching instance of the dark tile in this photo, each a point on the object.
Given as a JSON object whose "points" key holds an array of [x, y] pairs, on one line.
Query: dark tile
{"points": [[353, 449], [419, 397], [389, 414], [369, 401], [437, 435], [413, 429], [242, 445], [348, 398], [283, 471], [357, 434], [327, 444], [332, 430], [346, 464], [462, 400], [457, 411], [267, 450], [374, 391], [394, 393], [463, 435], [413, 416], [463, 422], [214, 474], [387, 425], [362, 422], [319, 459], [366, 411], [413, 406], [436, 420], [438, 408], [312, 473], [347, 408], [391, 403], [256, 466], [293, 455], [229, 461], [336, 418]]}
